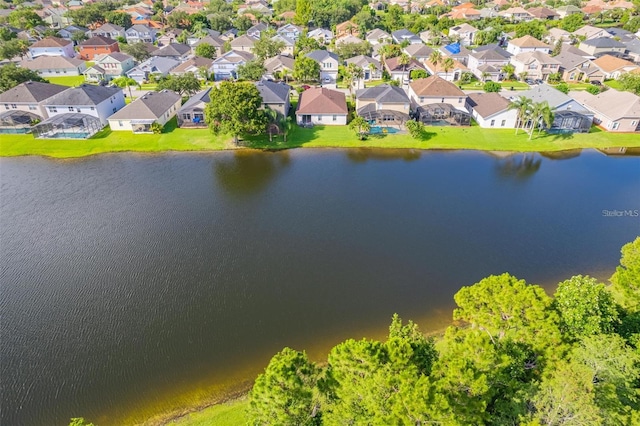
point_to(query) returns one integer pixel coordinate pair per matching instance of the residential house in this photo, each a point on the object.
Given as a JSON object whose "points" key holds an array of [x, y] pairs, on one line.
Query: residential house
{"points": [[464, 32], [67, 32], [140, 33], [348, 39], [152, 107], [109, 67], [226, 66], [633, 49], [328, 65], [468, 14], [154, 66], [194, 38], [216, 42], [452, 74], [491, 111], [97, 45], [565, 11], [52, 46], [431, 37], [570, 116], [438, 102], [589, 32], [177, 51], [384, 104], [257, 30], [613, 110], [456, 52], [516, 14], [543, 13], [79, 112], [322, 106], [602, 45], [55, 66], [419, 52], [371, 68], [621, 34], [378, 36], [556, 34], [197, 65], [290, 31], [289, 44], [191, 114], [24, 104], [347, 28], [321, 35], [576, 68], [169, 37], [402, 72], [486, 62], [278, 67], [527, 43], [56, 17], [111, 31], [275, 96], [244, 43], [537, 65], [613, 67], [404, 35]]}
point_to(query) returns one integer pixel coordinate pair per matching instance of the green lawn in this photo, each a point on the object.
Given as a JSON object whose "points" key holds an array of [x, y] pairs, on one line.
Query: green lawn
{"points": [[71, 80], [506, 85], [472, 137], [228, 414], [614, 84], [173, 139]]}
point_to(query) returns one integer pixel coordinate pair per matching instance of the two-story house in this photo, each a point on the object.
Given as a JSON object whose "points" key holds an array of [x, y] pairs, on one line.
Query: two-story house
{"points": [[216, 42], [140, 33], [465, 33], [275, 96], [486, 62], [96, 46], [108, 67], [328, 65], [537, 65], [176, 51], [196, 65], [384, 104], [437, 101], [24, 104], [257, 30], [226, 66], [156, 66], [67, 32], [378, 36], [576, 68], [111, 31], [52, 46], [321, 35], [601, 45], [244, 43], [290, 31]]}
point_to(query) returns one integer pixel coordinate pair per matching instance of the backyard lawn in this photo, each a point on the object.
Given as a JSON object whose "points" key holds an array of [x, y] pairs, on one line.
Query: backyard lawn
{"points": [[70, 80], [228, 414], [506, 85]]}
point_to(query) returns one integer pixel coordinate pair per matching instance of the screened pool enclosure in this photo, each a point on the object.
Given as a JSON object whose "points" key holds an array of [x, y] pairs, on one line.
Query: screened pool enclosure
{"points": [[68, 126]]}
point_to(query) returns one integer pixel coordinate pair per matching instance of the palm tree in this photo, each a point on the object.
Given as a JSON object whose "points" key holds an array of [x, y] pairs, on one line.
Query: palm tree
{"points": [[358, 73], [447, 65], [285, 125], [127, 82], [523, 106], [485, 75], [541, 113], [360, 126], [508, 69], [372, 70], [404, 60], [435, 58], [523, 75]]}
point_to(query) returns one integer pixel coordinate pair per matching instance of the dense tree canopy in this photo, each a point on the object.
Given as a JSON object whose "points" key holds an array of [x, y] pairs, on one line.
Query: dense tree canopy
{"points": [[186, 84], [519, 357], [11, 75], [138, 50]]}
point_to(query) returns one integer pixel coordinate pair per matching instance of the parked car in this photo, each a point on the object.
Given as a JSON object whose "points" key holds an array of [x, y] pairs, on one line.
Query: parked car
{"points": [[596, 83], [529, 81], [538, 81]]}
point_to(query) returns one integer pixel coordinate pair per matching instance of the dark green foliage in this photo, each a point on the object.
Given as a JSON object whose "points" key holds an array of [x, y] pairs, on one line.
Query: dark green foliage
{"points": [[12, 48], [630, 82], [532, 28], [91, 14], [24, 19], [572, 22], [206, 50], [415, 128], [306, 69], [419, 73], [137, 50], [593, 89], [349, 50], [11, 75], [252, 70], [563, 87], [492, 86], [185, 84], [119, 18]]}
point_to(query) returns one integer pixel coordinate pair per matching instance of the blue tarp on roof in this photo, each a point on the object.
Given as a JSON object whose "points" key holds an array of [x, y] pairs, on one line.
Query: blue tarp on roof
{"points": [[453, 48]]}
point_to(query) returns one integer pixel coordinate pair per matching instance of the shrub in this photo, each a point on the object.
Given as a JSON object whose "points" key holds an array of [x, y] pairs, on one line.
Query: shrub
{"points": [[492, 86]]}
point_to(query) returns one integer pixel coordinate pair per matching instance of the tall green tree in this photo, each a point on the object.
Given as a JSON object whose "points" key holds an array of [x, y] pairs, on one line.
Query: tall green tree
{"points": [[186, 84], [234, 109], [541, 115], [252, 70], [12, 48], [285, 393], [306, 69], [24, 19], [11, 75], [303, 12], [206, 50], [119, 18], [626, 279], [267, 47], [360, 126], [125, 82], [523, 107], [138, 50]]}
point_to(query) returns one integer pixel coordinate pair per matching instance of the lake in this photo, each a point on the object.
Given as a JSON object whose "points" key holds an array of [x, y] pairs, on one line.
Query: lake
{"points": [[133, 286]]}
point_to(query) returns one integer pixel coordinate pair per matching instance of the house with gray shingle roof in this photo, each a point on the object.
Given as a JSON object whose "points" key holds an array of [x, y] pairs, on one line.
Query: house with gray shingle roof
{"points": [[24, 103], [490, 110], [152, 107], [156, 66], [177, 51], [55, 66], [191, 114], [108, 67], [486, 63], [275, 96], [97, 101], [328, 65], [576, 68], [140, 33], [278, 66], [109, 30], [371, 68], [226, 66], [403, 35], [601, 45], [384, 104]]}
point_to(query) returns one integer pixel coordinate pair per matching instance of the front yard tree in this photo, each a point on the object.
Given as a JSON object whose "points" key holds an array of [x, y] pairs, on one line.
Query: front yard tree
{"points": [[119, 18], [267, 47], [252, 70], [137, 50], [360, 126], [235, 109], [492, 86], [206, 50], [11, 75], [186, 84], [306, 69], [125, 82]]}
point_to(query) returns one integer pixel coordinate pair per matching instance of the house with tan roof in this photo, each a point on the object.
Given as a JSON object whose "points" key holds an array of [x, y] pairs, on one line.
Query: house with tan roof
{"points": [[152, 107], [347, 28], [52, 46], [197, 65], [322, 106], [436, 101], [402, 72], [452, 74], [543, 13], [527, 43], [568, 10], [465, 32], [279, 67], [589, 32], [576, 68], [244, 43], [613, 67], [55, 66], [613, 110], [378, 36], [491, 111], [537, 65], [516, 14]]}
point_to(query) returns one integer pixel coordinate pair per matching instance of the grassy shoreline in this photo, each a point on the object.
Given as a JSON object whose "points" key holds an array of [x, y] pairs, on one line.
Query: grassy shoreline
{"points": [[177, 139]]}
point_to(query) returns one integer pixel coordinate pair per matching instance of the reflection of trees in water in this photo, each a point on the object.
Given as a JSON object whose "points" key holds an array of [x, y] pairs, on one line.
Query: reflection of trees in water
{"points": [[365, 154], [519, 167], [248, 172], [562, 155]]}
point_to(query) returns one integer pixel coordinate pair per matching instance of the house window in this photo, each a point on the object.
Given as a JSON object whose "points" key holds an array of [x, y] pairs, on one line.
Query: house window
{"points": [[335, 118], [615, 126], [572, 76], [634, 122], [53, 109], [442, 101], [120, 123], [114, 110], [459, 100], [32, 107], [92, 108], [319, 118], [502, 124], [421, 99], [14, 106], [493, 122], [71, 109], [186, 116], [6, 106]]}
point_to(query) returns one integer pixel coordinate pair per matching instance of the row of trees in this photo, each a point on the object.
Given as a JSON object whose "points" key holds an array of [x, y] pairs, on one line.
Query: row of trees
{"points": [[517, 357], [532, 114]]}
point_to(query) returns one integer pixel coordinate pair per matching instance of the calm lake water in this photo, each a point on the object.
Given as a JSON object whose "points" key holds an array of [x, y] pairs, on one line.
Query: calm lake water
{"points": [[135, 285]]}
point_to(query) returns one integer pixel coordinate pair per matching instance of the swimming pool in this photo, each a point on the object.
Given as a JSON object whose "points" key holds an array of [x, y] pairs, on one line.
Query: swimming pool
{"points": [[376, 130]]}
